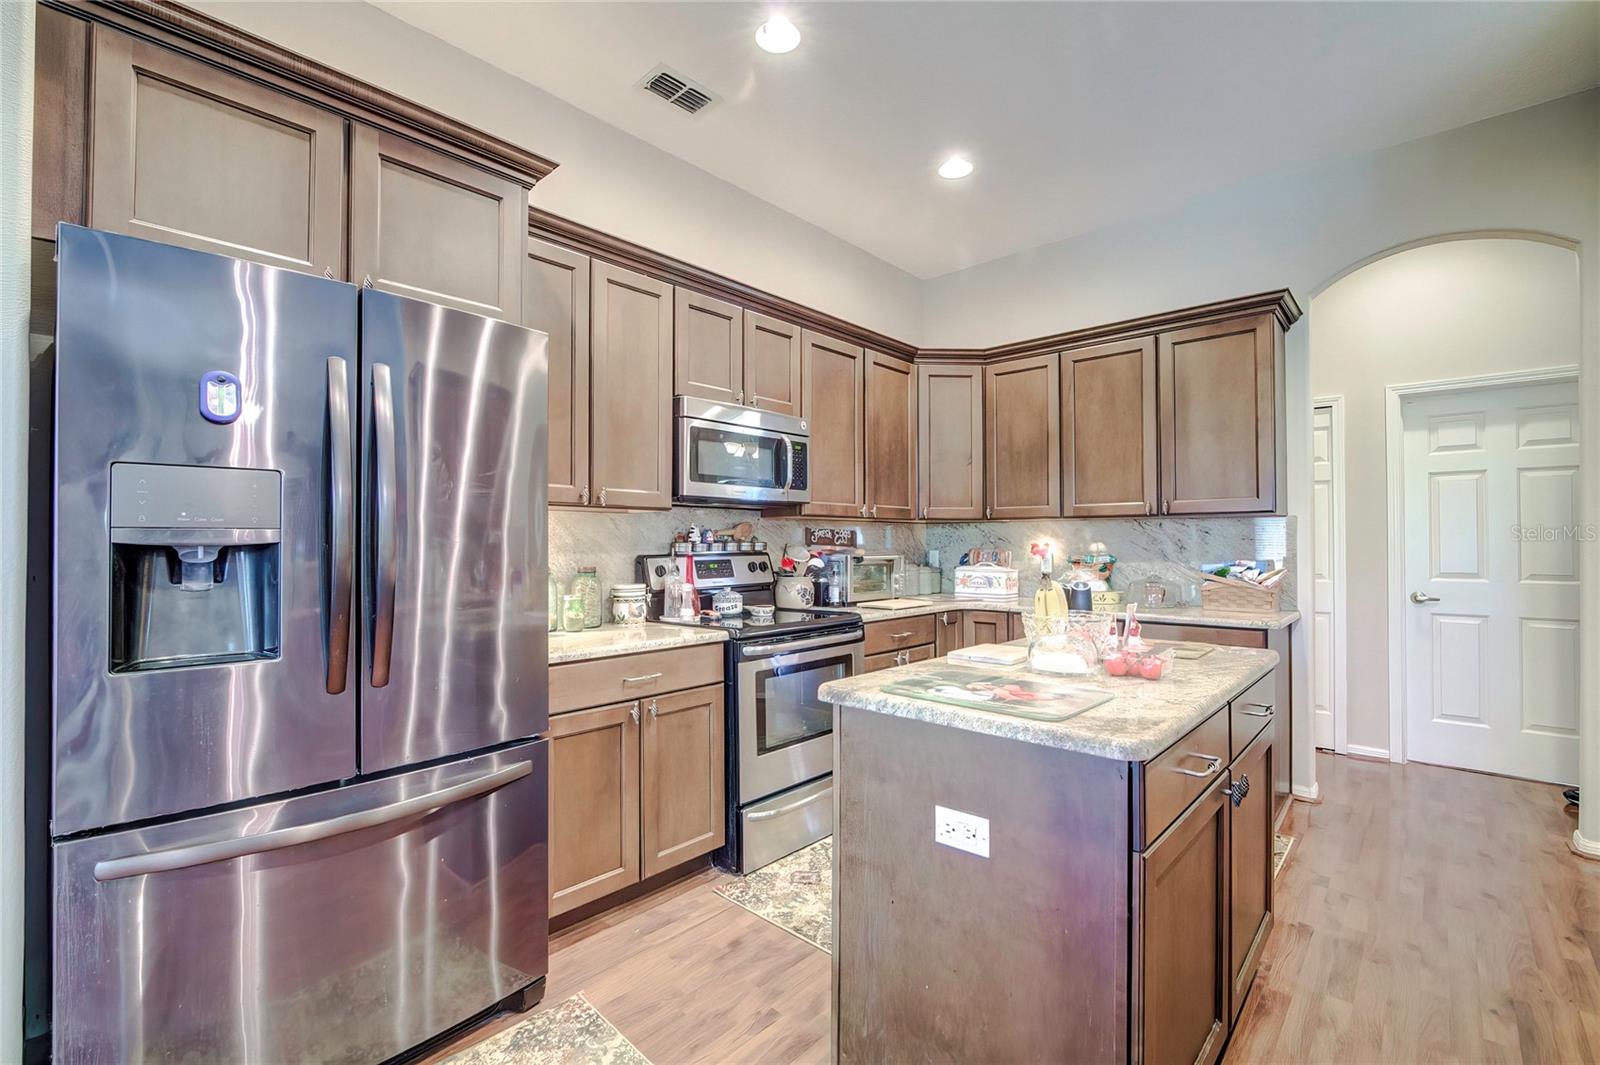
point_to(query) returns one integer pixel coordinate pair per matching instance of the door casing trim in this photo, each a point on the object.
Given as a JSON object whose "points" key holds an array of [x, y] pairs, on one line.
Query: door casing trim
{"points": [[1338, 668], [1394, 397]]}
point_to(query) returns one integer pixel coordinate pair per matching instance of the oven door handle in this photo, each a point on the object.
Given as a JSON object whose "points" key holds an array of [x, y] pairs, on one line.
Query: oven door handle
{"points": [[768, 650], [763, 815]]}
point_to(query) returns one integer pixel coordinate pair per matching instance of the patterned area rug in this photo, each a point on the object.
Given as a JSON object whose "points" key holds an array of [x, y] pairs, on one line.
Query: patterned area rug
{"points": [[794, 893], [1280, 853], [573, 1033]]}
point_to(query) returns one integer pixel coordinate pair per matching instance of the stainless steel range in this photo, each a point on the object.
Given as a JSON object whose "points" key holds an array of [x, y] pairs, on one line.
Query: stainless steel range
{"points": [[780, 735]]}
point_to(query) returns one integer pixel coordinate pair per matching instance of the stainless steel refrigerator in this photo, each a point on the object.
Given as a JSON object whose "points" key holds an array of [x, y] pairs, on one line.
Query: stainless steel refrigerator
{"points": [[299, 790]]}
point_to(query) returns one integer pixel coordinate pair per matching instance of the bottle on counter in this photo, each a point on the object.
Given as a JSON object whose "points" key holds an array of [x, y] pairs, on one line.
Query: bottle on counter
{"points": [[586, 585]]}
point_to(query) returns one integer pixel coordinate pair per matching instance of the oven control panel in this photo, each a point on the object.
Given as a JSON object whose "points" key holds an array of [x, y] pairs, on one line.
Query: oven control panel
{"points": [[711, 569]]}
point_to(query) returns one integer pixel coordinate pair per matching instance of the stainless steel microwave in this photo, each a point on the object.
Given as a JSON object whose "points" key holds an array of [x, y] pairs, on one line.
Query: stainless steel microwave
{"points": [[730, 454]]}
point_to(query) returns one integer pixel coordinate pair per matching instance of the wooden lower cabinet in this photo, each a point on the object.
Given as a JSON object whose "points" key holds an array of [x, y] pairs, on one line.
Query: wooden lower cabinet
{"points": [[890, 659], [636, 787], [1180, 959], [684, 805], [947, 636], [594, 804], [1250, 865], [985, 626]]}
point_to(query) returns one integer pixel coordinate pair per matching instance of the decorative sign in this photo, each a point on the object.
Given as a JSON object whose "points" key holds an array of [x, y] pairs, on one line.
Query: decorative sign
{"points": [[833, 537]]}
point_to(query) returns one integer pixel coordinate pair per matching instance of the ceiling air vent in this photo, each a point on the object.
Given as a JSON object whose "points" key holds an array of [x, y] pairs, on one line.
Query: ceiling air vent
{"points": [[677, 90]]}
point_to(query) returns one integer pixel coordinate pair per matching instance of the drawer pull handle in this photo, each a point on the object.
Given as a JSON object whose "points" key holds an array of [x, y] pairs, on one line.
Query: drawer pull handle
{"points": [[1213, 763], [643, 679], [1257, 710], [901, 635], [764, 815]]}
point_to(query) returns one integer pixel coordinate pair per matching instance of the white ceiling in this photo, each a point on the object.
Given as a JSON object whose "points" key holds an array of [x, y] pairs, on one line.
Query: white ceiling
{"points": [[1077, 115]]}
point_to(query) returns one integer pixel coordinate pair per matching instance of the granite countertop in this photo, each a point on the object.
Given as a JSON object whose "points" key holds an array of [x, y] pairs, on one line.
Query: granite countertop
{"points": [[1142, 719], [1186, 615], [610, 640]]}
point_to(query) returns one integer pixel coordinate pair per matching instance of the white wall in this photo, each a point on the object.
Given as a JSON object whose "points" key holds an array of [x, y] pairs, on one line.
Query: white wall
{"points": [[1535, 170], [1456, 309], [607, 178], [16, 202]]}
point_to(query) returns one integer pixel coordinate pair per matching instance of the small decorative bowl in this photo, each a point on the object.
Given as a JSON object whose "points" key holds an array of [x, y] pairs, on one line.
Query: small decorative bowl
{"points": [[761, 613]]}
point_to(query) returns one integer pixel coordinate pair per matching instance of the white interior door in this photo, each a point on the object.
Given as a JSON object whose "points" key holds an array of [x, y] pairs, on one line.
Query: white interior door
{"points": [[1327, 576], [1491, 550]]}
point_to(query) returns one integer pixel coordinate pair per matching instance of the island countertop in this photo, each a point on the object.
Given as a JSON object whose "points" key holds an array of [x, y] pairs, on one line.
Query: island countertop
{"points": [[935, 603], [1140, 721]]}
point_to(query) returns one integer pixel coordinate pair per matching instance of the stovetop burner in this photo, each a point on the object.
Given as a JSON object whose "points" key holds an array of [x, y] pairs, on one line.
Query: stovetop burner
{"points": [[783, 622]]}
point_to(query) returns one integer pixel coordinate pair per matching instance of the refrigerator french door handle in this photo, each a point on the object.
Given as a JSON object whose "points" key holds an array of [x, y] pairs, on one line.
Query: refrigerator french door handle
{"points": [[383, 506], [222, 850], [341, 546]]}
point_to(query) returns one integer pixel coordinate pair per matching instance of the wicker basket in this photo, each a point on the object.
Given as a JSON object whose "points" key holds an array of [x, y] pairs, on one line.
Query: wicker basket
{"points": [[1237, 595]]}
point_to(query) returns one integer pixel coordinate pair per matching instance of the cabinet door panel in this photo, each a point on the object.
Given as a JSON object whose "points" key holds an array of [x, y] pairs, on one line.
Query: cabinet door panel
{"points": [[708, 351], [1022, 446], [950, 442], [1180, 946], [891, 407], [684, 804], [834, 377], [947, 634], [772, 364], [555, 299], [60, 119], [1250, 844], [594, 804], [630, 379], [434, 228], [1218, 411], [1108, 429], [187, 154], [984, 626]]}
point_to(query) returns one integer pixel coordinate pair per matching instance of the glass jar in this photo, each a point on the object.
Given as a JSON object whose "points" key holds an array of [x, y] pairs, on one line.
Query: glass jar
{"points": [[552, 606], [627, 604], [572, 613], [586, 585]]}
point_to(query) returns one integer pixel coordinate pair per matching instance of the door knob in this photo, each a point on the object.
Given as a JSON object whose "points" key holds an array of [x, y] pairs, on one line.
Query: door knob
{"points": [[1423, 597]]}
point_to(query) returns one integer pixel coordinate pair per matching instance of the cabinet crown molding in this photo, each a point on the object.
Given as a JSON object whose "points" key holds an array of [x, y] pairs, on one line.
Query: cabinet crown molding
{"points": [[168, 23]]}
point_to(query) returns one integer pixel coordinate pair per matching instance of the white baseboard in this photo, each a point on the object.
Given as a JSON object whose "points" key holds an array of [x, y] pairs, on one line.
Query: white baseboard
{"points": [[1355, 750], [1311, 794], [1584, 848]]}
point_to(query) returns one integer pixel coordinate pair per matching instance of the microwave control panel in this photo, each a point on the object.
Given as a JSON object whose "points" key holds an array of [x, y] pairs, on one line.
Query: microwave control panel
{"points": [[799, 450]]}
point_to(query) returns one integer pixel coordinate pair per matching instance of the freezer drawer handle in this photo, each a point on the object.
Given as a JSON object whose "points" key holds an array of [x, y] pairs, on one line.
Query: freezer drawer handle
{"points": [[383, 504], [763, 815], [341, 547], [222, 850]]}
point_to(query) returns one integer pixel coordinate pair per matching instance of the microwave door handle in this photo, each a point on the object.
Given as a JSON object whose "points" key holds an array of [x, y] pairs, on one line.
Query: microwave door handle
{"points": [[341, 538], [384, 492], [788, 463]]}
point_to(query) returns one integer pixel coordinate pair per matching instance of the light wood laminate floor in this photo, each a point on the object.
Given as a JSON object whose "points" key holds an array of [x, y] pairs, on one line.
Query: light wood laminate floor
{"points": [[1425, 914]]}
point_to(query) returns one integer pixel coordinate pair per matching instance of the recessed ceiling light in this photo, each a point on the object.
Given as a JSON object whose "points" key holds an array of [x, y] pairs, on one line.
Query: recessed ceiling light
{"points": [[957, 166], [778, 35]]}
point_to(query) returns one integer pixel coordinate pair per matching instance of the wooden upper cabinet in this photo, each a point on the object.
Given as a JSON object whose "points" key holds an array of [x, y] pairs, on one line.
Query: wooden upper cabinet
{"points": [[429, 226], [1220, 389], [1022, 446], [950, 442], [555, 299], [187, 154], [1180, 959], [708, 353], [891, 409], [834, 374], [684, 804], [772, 364], [630, 383], [60, 119], [594, 804], [1108, 429]]}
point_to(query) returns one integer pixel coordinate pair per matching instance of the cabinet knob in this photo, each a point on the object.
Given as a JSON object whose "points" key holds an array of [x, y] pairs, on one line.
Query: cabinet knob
{"points": [[738, 397], [602, 497], [634, 712], [583, 496], [874, 510], [652, 708], [988, 512], [754, 401]]}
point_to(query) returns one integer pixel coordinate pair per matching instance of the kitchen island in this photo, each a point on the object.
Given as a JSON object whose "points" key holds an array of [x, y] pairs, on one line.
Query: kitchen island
{"points": [[1009, 888]]}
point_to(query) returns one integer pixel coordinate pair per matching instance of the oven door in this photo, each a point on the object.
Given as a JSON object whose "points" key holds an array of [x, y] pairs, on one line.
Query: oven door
{"points": [[718, 461], [872, 577], [785, 730]]}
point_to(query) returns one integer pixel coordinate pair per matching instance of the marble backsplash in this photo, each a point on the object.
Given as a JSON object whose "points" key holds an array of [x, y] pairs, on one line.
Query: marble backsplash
{"points": [[1145, 547]]}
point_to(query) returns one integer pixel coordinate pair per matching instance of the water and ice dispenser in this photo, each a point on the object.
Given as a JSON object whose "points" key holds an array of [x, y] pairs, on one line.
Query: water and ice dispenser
{"points": [[195, 565]]}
